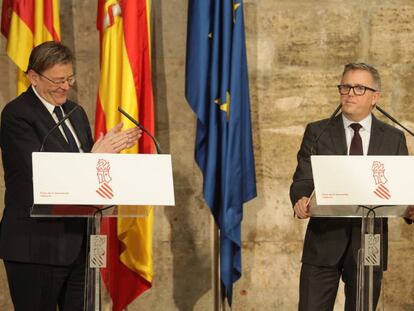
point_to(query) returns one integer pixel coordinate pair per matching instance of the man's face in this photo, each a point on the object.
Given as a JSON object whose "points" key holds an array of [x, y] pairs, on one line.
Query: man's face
{"points": [[354, 107], [54, 93]]}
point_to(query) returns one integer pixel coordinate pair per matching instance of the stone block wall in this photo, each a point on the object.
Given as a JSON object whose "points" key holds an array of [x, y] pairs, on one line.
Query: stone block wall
{"points": [[296, 53]]}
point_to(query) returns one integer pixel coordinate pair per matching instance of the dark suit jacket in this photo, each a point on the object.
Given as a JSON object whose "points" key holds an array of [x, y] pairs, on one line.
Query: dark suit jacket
{"points": [[24, 123], [327, 238]]}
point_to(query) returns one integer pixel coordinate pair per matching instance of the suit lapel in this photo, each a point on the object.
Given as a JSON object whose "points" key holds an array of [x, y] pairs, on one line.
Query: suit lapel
{"points": [[376, 137], [46, 119], [78, 125], [337, 133]]}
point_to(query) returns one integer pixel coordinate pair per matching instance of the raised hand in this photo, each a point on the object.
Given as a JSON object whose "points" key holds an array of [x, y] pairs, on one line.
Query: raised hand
{"points": [[117, 140]]}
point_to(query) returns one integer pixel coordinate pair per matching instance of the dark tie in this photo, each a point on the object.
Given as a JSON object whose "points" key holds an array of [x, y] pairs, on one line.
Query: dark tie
{"points": [[356, 143], [73, 147]]}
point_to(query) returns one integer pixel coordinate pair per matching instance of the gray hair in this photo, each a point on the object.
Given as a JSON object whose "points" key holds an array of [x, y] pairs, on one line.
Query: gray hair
{"points": [[376, 78]]}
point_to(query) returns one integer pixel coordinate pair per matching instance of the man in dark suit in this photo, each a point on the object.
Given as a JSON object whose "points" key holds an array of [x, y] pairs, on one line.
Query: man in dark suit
{"points": [[331, 244], [45, 258]]}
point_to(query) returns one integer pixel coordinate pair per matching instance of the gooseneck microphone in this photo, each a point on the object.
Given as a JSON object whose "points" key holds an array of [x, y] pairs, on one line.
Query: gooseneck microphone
{"points": [[155, 141], [312, 151], [393, 119], [65, 117]]}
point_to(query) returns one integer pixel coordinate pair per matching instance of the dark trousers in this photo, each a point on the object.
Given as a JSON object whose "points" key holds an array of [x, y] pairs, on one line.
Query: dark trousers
{"points": [[319, 285], [35, 287]]}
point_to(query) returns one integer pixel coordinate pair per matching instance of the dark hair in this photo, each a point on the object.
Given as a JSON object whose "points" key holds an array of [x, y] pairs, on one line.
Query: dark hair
{"points": [[48, 54], [376, 79]]}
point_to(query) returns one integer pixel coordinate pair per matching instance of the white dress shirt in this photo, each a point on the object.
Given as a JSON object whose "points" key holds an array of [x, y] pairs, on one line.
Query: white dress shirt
{"points": [[365, 132]]}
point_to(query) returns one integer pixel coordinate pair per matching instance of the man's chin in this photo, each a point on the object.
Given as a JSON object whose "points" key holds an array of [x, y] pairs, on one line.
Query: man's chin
{"points": [[60, 100], [349, 114], [346, 111]]}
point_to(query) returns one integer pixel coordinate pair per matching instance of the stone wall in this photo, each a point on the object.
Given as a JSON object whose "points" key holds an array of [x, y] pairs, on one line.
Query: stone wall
{"points": [[296, 52]]}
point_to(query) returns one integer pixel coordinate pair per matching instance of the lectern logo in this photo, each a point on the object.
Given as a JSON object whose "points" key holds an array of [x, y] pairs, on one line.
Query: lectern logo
{"points": [[102, 172], [381, 190]]}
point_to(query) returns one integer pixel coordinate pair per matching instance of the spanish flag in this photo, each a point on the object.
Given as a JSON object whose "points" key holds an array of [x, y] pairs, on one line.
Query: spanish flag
{"points": [[125, 81], [27, 24]]}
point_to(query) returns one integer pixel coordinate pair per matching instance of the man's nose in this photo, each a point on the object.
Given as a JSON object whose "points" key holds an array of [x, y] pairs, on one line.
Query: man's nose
{"points": [[352, 92], [65, 85]]}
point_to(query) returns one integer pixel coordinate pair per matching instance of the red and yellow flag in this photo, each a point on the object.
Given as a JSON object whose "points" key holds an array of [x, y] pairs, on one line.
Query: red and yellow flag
{"points": [[126, 81], [27, 24]]}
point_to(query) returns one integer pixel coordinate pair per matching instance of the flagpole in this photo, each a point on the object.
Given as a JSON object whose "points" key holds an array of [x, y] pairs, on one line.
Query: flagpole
{"points": [[216, 270]]}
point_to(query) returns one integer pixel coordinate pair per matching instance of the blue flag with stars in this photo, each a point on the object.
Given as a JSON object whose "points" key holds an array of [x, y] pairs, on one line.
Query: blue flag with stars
{"points": [[217, 89]]}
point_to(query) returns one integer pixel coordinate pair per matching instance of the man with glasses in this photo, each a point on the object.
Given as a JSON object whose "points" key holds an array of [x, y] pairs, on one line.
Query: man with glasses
{"points": [[45, 258], [331, 244]]}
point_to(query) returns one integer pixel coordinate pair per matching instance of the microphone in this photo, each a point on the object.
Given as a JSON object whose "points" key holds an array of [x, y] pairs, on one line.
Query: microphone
{"points": [[393, 120], [312, 151], [155, 141], [66, 116]]}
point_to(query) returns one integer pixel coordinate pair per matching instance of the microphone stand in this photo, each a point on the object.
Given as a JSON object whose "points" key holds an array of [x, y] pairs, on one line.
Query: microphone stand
{"points": [[393, 119], [324, 129], [65, 117], [130, 118]]}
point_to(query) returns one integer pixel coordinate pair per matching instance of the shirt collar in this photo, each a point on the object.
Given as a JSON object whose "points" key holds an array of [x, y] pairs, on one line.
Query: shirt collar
{"points": [[48, 105], [365, 123]]}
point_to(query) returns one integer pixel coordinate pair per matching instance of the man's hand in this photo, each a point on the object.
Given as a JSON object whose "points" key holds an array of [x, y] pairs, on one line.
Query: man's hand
{"points": [[302, 208], [117, 140], [409, 212]]}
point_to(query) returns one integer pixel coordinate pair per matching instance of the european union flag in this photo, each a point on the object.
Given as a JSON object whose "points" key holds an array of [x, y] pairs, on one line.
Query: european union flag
{"points": [[217, 88]]}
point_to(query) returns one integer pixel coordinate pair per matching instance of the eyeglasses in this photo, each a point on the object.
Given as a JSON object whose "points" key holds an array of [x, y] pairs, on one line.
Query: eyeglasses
{"points": [[71, 80], [359, 90]]}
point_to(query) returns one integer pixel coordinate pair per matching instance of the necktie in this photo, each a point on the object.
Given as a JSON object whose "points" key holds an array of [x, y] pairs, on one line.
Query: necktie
{"points": [[356, 143], [71, 140]]}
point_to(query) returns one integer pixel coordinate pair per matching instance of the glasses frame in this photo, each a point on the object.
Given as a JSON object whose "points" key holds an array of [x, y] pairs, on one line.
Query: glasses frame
{"points": [[353, 89], [70, 80]]}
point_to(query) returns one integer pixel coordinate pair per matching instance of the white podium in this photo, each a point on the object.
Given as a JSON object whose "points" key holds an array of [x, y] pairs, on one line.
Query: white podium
{"points": [[366, 187], [99, 185]]}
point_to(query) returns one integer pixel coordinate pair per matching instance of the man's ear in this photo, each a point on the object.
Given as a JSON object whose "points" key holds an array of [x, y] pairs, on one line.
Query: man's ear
{"points": [[33, 77], [375, 98]]}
